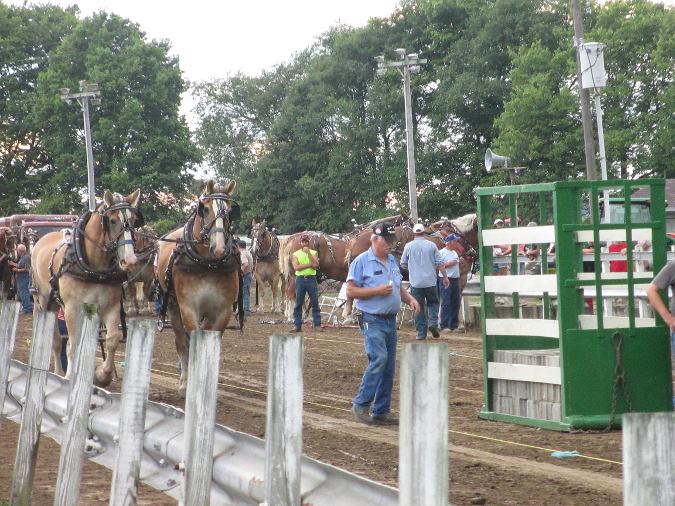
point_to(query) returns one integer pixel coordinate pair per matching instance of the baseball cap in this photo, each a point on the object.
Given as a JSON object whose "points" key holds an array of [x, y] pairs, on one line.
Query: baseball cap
{"points": [[499, 221], [532, 224], [451, 237], [418, 228], [385, 230], [241, 244], [304, 237]]}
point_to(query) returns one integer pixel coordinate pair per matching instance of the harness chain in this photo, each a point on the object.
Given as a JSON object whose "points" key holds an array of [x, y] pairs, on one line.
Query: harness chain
{"points": [[619, 379]]}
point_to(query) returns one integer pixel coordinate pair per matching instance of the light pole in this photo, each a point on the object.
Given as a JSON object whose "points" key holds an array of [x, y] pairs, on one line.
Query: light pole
{"points": [[88, 93], [408, 64]]}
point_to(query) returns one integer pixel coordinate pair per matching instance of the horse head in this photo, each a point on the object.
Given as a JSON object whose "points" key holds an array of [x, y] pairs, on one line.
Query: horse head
{"points": [[262, 239], [8, 242], [215, 213], [119, 217]]}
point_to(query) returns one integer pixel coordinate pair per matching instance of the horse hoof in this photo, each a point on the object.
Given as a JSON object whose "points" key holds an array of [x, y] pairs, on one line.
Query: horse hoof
{"points": [[102, 379]]}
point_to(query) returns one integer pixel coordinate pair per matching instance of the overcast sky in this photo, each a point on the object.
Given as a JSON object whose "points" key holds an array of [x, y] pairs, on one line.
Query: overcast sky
{"points": [[214, 39]]}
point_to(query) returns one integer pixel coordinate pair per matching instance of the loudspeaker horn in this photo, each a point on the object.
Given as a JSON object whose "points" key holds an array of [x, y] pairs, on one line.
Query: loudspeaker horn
{"points": [[494, 160]]}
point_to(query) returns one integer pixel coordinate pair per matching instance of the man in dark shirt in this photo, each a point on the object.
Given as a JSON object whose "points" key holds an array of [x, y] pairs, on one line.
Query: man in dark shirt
{"points": [[21, 270]]}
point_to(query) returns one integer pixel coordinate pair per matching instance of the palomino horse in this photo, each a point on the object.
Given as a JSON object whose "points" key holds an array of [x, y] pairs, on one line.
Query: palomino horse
{"points": [[89, 266], [199, 270], [265, 251], [141, 282], [7, 253], [332, 261]]}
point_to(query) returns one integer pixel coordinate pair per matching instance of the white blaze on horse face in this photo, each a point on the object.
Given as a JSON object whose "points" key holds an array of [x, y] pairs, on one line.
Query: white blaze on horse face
{"points": [[125, 251], [217, 239]]}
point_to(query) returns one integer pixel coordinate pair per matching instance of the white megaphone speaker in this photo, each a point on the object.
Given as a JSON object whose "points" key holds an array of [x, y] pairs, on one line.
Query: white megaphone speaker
{"points": [[494, 160]]}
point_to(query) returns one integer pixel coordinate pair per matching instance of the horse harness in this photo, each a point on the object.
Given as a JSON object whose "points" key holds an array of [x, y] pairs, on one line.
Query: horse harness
{"points": [[273, 252], [186, 257], [74, 262]]}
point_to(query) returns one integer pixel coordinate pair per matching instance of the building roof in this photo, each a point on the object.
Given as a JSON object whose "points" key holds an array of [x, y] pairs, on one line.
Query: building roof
{"points": [[669, 190]]}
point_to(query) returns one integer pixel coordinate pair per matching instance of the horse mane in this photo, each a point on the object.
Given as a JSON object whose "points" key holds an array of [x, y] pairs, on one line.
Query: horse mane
{"points": [[466, 223]]}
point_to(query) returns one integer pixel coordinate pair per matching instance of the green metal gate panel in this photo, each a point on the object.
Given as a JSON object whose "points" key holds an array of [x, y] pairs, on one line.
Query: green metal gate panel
{"points": [[616, 366]]}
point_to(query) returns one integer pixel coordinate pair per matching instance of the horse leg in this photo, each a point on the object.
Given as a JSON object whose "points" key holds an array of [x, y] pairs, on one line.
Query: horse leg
{"points": [[276, 295], [104, 372], [57, 345], [182, 348]]}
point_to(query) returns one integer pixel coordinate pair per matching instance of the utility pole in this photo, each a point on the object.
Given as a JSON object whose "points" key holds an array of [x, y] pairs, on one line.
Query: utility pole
{"points": [[88, 93], [584, 96], [409, 64]]}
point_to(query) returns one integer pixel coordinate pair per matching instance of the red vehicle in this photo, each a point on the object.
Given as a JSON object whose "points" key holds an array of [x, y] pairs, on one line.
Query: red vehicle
{"points": [[31, 227]]}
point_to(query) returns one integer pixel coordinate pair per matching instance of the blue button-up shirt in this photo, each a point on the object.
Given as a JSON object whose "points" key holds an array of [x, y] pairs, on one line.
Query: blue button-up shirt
{"points": [[421, 258], [368, 271]]}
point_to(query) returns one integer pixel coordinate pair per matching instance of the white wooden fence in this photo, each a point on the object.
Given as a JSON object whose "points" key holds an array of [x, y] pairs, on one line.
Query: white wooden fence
{"points": [[187, 455]]}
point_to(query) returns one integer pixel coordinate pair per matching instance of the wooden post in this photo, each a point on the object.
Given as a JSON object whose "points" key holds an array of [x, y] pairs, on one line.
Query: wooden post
{"points": [[423, 435], [200, 416], [31, 417], [72, 455], [9, 317], [283, 432], [140, 343], [648, 458]]}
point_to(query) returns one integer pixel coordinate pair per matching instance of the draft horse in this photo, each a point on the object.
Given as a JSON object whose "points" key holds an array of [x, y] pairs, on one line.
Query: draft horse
{"points": [[265, 251], [199, 270], [141, 282], [88, 265], [7, 253]]}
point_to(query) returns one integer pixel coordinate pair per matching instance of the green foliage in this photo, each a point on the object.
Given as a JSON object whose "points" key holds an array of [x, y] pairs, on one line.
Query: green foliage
{"points": [[139, 140]]}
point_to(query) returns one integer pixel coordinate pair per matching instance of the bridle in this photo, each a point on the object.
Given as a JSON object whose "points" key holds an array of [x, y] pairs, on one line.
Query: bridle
{"points": [[222, 211], [123, 208], [260, 235]]}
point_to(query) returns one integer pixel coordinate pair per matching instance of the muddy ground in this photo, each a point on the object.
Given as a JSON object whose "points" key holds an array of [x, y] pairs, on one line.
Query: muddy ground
{"points": [[495, 462]]}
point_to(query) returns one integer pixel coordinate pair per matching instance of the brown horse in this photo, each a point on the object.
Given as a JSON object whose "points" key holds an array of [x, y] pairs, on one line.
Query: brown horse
{"points": [[139, 286], [88, 266], [265, 251], [199, 270], [7, 253], [332, 261]]}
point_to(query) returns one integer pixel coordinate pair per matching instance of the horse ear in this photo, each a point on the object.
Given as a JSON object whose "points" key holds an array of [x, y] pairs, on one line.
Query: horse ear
{"points": [[229, 187], [108, 198], [134, 198], [208, 189], [253, 223], [264, 224]]}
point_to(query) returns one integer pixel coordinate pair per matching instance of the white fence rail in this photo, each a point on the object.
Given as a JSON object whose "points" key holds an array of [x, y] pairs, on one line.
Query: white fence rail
{"points": [[155, 441]]}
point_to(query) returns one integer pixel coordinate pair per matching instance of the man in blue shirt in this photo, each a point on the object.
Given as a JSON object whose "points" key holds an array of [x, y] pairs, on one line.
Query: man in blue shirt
{"points": [[423, 262], [450, 296], [374, 280]]}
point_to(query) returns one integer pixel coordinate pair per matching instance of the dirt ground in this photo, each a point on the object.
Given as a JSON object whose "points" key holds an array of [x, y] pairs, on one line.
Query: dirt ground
{"points": [[490, 462]]}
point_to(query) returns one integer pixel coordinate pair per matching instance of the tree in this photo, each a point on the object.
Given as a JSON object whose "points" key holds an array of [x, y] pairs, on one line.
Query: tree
{"points": [[138, 137], [27, 37]]}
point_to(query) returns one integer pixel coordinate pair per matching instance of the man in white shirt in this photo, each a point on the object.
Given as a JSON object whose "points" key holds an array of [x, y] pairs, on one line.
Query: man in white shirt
{"points": [[450, 296]]}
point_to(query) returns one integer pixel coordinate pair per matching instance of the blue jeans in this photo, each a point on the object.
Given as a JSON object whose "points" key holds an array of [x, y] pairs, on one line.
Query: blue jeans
{"points": [[63, 331], [428, 300], [378, 379], [247, 291], [306, 285], [22, 280], [450, 300]]}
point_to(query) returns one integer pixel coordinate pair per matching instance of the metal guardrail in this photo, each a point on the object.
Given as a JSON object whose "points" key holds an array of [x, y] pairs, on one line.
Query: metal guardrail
{"points": [[239, 458]]}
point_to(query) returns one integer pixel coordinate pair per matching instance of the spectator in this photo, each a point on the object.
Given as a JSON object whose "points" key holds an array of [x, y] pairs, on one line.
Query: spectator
{"points": [[450, 295], [374, 280], [618, 265], [305, 262], [21, 270], [500, 250], [63, 332], [247, 275], [422, 260], [662, 281], [532, 252]]}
